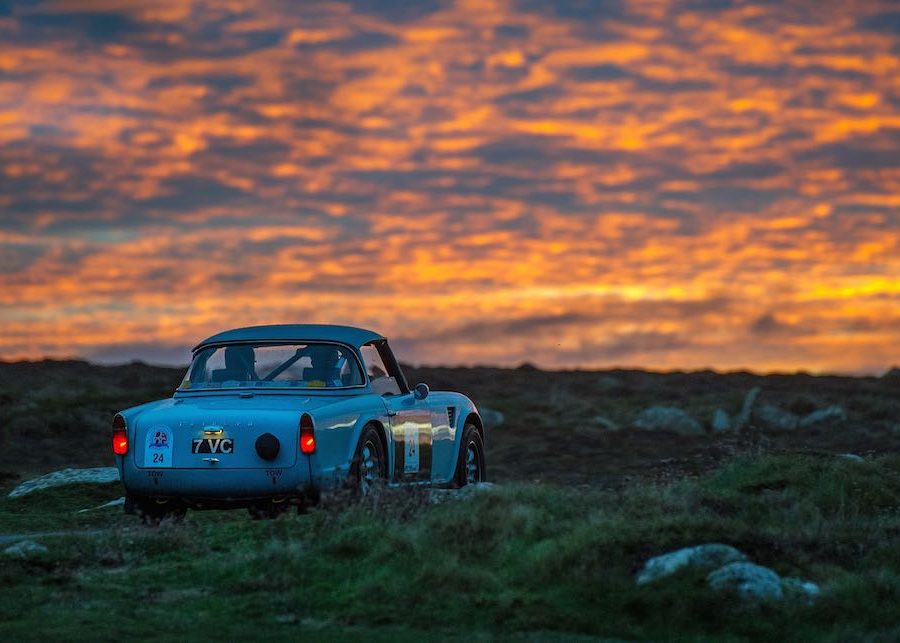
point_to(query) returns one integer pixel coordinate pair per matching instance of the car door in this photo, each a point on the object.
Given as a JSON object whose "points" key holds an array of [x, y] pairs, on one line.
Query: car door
{"points": [[443, 437], [410, 418], [411, 426]]}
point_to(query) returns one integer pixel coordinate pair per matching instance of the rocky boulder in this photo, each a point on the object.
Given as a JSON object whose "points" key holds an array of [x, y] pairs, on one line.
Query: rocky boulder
{"points": [[597, 425], [721, 423], [604, 423], [666, 418], [118, 502], [743, 417], [491, 418], [828, 415], [774, 418], [437, 496], [747, 580], [800, 590], [25, 549], [709, 556], [98, 475]]}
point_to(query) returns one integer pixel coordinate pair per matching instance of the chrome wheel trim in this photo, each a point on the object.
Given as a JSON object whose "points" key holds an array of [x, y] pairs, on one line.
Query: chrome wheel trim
{"points": [[473, 463], [369, 467]]}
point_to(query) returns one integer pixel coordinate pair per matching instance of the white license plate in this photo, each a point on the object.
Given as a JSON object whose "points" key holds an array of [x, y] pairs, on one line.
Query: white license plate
{"points": [[214, 445]]}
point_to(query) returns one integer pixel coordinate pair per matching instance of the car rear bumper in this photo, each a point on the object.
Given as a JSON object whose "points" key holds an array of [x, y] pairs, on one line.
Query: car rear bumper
{"points": [[218, 484]]}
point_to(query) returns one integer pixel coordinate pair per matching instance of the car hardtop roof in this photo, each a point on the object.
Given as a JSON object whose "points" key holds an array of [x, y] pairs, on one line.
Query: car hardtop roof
{"points": [[294, 332]]}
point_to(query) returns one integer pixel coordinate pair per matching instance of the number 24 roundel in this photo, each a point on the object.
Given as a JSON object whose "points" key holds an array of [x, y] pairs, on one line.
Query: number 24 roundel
{"points": [[158, 447]]}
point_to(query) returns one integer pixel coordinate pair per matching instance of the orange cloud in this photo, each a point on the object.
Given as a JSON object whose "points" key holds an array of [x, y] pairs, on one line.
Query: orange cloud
{"points": [[647, 185]]}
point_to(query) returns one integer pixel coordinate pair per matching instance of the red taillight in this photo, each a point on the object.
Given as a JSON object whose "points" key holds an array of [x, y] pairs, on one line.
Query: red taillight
{"points": [[307, 435], [119, 436]]}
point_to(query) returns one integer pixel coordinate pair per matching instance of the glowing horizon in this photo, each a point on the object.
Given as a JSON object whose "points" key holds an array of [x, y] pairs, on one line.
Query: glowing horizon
{"points": [[661, 185]]}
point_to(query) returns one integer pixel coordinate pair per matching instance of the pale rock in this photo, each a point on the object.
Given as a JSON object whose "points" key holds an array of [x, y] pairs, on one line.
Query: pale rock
{"points": [[748, 580], [98, 475], [850, 457], [609, 383], [721, 423], [604, 423], [775, 418], [800, 590], [491, 418], [666, 418], [709, 556], [596, 426], [437, 496], [835, 413], [746, 412], [118, 502], [25, 549]]}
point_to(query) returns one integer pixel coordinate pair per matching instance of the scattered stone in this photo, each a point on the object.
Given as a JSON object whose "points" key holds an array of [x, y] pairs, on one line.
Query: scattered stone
{"points": [[721, 423], [286, 619], [747, 580], [604, 423], [835, 413], [314, 623], [743, 418], [852, 457], [98, 475], [490, 417], [775, 418], [25, 549], [666, 418], [709, 556], [596, 426], [437, 496], [118, 502], [800, 590], [609, 383]]}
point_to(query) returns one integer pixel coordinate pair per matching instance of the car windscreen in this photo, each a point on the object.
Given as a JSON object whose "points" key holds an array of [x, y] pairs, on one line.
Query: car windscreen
{"points": [[308, 366]]}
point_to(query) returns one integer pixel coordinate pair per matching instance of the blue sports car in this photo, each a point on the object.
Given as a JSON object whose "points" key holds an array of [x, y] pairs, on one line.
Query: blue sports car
{"points": [[269, 416]]}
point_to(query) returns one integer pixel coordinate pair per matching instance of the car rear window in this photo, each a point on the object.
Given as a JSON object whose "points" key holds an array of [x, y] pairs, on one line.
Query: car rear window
{"points": [[311, 365]]}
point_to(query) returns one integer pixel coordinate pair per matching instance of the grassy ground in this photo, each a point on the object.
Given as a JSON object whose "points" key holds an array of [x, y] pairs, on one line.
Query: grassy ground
{"points": [[523, 561]]}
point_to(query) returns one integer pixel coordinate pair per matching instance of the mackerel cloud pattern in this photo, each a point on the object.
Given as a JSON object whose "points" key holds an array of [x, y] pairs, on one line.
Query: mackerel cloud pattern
{"points": [[642, 183]]}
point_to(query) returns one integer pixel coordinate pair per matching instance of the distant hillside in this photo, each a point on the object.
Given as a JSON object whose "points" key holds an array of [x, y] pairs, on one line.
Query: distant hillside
{"points": [[558, 425]]}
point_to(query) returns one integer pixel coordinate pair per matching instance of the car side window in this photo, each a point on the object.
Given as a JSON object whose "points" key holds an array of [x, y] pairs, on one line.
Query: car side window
{"points": [[382, 383]]}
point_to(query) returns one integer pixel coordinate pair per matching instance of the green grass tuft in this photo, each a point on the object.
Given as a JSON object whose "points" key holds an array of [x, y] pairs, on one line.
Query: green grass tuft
{"points": [[523, 558]]}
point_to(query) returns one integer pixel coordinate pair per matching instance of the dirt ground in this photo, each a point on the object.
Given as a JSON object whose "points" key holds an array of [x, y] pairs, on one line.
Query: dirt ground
{"points": [[552, 434], [57, 414]]}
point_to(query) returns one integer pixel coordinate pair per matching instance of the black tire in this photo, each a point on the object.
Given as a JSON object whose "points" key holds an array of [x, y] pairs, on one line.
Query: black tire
{"points": [[369, 466], [152, 511], [307, 500], [470, 466]]}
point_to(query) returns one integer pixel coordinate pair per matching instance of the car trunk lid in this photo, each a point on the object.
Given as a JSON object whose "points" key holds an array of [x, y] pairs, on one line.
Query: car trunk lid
{"points": [[221, 432]]}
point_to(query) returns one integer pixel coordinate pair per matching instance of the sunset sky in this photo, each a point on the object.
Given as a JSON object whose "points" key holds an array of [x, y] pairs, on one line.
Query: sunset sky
{"points": [[594, 183]]}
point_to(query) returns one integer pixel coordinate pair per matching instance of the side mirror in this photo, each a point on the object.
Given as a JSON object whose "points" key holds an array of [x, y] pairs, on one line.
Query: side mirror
{"points": [[421, 391]]}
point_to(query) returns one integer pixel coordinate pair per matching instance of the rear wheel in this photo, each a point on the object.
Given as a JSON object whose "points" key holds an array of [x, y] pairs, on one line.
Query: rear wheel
{"points": [[470, 468], [369, 466]]}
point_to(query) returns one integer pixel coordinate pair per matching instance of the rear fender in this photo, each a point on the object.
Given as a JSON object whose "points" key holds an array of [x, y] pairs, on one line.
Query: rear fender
{"points": [[337, 435], [131, 416], [466, 412]]}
